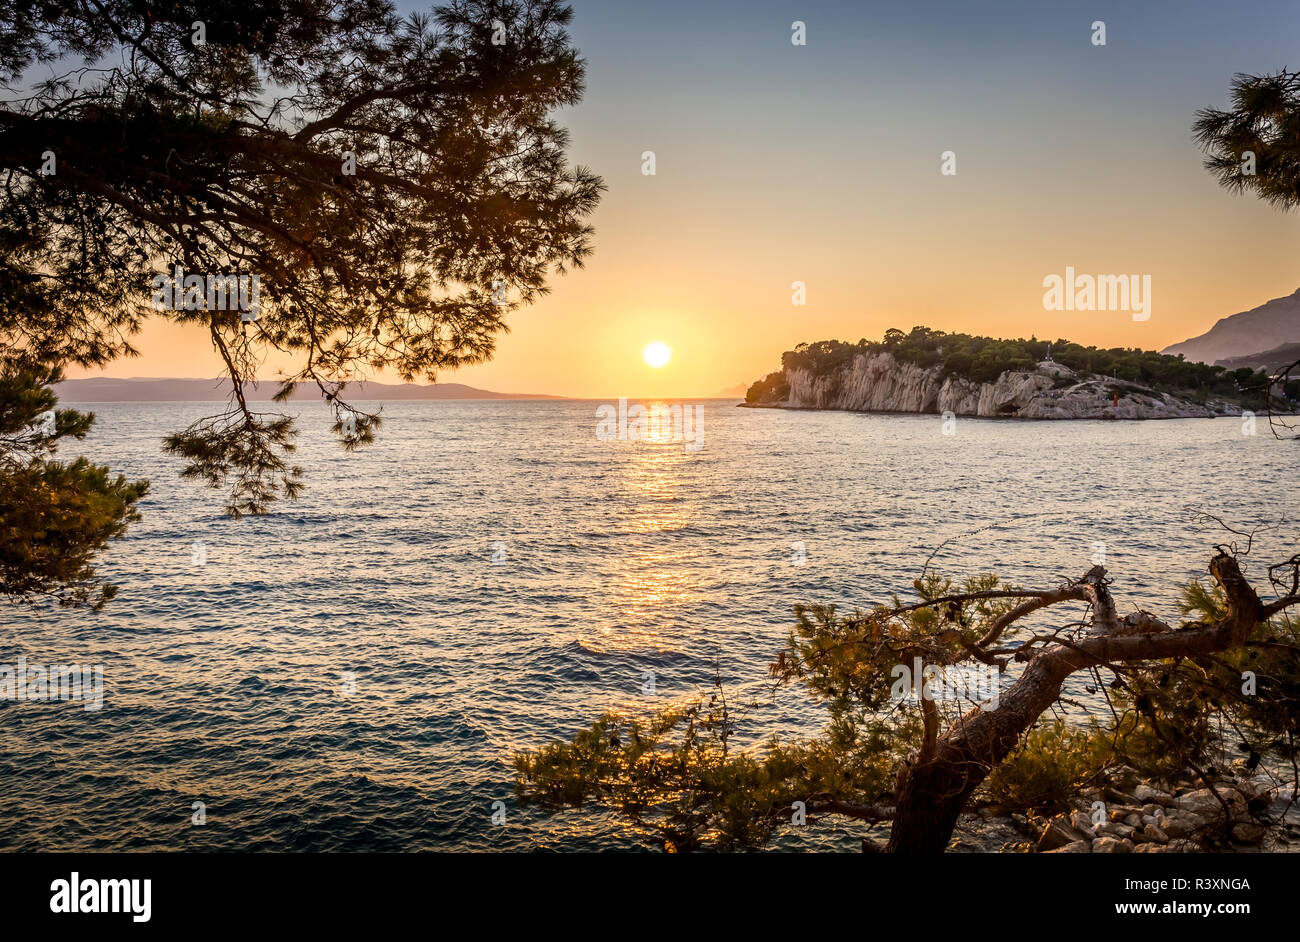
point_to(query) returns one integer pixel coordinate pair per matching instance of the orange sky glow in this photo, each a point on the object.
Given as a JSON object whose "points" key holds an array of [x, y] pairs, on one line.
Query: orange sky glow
{"points": [[777, 164]]}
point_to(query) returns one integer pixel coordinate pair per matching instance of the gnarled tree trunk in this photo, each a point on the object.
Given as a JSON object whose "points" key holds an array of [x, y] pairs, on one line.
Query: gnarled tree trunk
{"points": [[934, 786]]}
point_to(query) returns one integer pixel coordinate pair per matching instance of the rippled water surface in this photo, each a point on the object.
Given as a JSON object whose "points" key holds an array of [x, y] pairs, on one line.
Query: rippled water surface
{"points": [[494, 576]]}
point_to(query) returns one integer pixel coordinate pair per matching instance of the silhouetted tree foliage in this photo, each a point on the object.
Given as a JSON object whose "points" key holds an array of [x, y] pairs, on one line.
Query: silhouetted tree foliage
{"points": [[55, 516], [397, 185], [771, 388], [1254, 147]]}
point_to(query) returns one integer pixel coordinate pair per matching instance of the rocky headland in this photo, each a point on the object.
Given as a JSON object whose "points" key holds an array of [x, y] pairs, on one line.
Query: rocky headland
{"points": [[877, 382]]}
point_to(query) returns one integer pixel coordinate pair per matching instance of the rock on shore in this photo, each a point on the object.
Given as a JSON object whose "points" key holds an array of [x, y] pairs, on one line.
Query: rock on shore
{"points": [[1244, 811], [1150, 820]]}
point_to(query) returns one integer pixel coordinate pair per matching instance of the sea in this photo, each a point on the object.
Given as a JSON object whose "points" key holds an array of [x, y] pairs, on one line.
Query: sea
{"points": [[356, 670]]}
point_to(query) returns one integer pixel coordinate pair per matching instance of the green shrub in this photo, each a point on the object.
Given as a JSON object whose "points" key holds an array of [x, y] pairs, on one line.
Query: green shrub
{"points": [[1046, 771]]}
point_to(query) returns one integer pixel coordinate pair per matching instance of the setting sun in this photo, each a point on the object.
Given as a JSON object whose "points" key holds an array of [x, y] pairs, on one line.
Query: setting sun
{"points": [[656, 354]]}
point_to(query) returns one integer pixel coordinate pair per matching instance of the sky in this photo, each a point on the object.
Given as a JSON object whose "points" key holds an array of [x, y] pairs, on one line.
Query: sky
{"points": [[821, 163]]}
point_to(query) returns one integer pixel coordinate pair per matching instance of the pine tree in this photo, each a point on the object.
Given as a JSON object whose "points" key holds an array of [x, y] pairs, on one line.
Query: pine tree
{"points": [[55, 516], [396, 186]]}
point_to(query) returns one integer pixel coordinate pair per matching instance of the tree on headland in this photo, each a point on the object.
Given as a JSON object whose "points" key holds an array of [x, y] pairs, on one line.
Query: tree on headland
{"points": [[1254, 147], [396, 186], [1179, 694]]}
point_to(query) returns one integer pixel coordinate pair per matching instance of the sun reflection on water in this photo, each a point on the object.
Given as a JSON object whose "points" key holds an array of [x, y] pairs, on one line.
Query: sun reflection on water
{"points": [[651, 585]]}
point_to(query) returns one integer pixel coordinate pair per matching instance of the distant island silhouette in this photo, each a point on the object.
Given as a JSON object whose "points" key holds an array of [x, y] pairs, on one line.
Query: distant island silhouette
{"points": [[146, 389]]}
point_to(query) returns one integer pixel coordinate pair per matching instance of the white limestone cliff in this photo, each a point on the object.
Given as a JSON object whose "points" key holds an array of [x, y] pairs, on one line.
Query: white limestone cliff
{"points": [[877, 382]]}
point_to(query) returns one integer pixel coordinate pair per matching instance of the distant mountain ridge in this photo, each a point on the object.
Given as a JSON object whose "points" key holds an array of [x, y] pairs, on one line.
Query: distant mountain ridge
{"points": [[1243, 335], [1269, 360], [143, 389]]}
